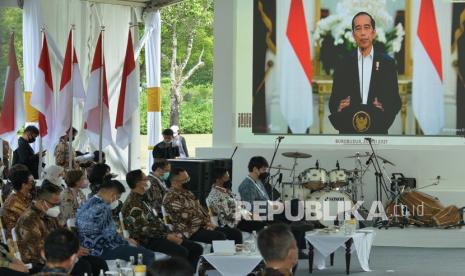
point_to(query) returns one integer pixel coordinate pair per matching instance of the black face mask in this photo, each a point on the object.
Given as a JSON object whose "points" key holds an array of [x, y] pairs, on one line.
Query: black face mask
{"points": [[263, 176], [186, 185], [32, 140], [228, 185]]}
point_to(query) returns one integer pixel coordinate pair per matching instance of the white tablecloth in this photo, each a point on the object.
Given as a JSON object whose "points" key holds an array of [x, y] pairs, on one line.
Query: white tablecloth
{"points": [[233, 265], [325, 244]]}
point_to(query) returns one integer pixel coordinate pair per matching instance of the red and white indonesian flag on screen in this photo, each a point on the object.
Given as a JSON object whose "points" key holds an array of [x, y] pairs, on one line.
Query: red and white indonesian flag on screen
{"points": [[42, 99], [70, 87], [12, 117], [427, 88], [92, 104], [128, 98], [294, 64]]}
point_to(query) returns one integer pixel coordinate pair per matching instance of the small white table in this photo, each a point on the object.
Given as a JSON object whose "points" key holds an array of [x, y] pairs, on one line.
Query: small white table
{"points": [[233, 265], [321, 245]]}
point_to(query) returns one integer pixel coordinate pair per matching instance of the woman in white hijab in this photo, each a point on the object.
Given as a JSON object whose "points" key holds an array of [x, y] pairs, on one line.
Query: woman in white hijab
{"points": [[54, 174]]}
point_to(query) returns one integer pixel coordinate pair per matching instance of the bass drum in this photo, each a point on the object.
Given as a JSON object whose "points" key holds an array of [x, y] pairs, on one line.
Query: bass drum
{"points": [[291, 191], [421, 206], [331, 203], [314, 179]]}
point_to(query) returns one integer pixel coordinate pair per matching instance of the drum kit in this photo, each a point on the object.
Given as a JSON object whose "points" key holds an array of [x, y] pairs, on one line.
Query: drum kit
{"points": [[332, 186], [321, 185]]}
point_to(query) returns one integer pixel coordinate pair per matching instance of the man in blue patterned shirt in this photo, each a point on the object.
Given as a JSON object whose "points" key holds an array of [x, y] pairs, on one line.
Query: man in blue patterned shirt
{"points": [[97, 230]]}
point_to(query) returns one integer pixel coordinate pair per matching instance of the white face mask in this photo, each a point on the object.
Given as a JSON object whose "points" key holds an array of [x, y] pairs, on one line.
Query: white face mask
{"points": [[114, 204], [147, 186], [53, 212]]}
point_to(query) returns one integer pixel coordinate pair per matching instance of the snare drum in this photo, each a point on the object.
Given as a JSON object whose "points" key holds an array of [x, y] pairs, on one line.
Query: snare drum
{"points": [[329, 204], [291, 191], [313, 179], [338, 178]]}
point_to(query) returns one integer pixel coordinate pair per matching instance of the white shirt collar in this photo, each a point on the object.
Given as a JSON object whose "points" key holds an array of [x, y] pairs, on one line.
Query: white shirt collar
{"points": [[371, 54]]}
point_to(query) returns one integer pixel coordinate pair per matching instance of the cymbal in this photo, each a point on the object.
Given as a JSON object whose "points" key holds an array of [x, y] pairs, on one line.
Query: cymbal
{"points": [[359, 155], [296, 154], [279, 167]]}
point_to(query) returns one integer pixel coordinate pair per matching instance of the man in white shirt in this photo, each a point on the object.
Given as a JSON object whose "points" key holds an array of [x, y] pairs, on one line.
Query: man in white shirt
{"points": [[365, 80]]}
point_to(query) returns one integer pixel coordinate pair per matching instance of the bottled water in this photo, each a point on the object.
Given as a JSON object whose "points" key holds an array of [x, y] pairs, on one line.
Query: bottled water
{"points": [[140, 259]]}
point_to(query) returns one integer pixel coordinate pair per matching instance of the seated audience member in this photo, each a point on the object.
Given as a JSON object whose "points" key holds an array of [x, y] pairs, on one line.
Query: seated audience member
{"points": [[166, 149], [171, 267], [97, 229], [18, 202], [158, 178], [38, 222], [9, 265], [62, 151], [54, 174], [252, 188], [97, 157], [223, 205], [96, 173], [8, 187], [61, 252], [72, 197], [148, 229], [278, 249], [189, 217], [6, 159]]}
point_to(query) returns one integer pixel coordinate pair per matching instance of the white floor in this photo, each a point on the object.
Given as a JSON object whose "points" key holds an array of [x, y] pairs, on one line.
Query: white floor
{"points": [[420, 237]]}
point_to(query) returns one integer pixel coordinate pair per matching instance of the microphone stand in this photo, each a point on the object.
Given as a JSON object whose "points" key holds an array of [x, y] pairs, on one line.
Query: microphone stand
{"points": [[380, 181], [270, 179]]}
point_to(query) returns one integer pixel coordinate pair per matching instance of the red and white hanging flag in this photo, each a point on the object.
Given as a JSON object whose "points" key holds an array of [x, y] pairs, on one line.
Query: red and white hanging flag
{"points": [[294, 64], [70, 87], [427, 82], [12, 116], [92, 104], [42, 99], [128, 98]]}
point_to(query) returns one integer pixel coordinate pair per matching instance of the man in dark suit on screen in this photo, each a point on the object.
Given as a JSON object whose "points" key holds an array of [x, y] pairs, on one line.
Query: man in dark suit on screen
{"points": [[365, 97]]}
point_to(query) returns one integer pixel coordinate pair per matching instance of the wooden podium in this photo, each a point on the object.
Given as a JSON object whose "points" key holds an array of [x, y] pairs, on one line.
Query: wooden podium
{"points": [[361, 119]]}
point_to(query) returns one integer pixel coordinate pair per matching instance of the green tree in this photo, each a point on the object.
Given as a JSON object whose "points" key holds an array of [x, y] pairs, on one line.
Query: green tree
{"points": [[11, 20], [186, 36]]}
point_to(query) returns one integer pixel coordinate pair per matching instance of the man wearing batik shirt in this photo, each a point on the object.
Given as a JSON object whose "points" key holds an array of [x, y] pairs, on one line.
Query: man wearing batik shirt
{"points": [[19, 201], [38, 222], [189, 217], [146, 227], [158, 177], [222, 203], [62, 151]]}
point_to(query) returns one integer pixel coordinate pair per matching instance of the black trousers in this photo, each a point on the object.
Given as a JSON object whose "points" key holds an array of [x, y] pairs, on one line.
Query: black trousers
{"points": [[188, 250], [251, 225], [220, 233], [10, 272]]}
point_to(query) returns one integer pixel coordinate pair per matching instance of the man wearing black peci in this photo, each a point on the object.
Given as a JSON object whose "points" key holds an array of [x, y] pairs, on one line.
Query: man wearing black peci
{"points": [[365, 97]]}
